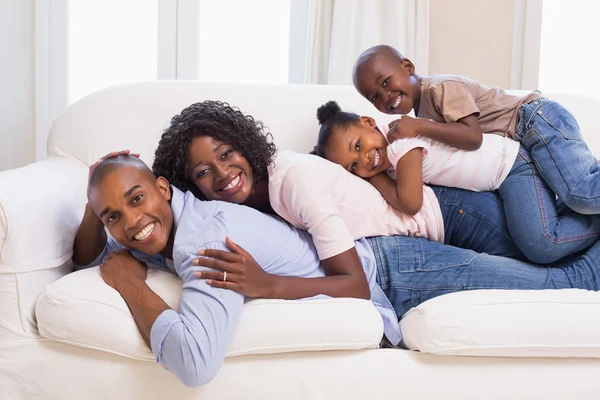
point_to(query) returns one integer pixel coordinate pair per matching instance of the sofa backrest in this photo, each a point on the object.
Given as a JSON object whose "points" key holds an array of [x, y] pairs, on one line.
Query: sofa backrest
{"points": [[133, 116]]}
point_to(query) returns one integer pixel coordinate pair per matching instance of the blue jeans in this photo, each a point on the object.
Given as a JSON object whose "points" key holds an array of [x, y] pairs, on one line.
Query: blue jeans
{"points": [[475, 221], [552, 136], [413, 270], [541, 229]]}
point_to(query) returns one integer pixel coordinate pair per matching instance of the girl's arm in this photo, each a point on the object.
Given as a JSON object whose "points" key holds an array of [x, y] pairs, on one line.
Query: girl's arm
{"points": [[406, 194], [463, 134]]}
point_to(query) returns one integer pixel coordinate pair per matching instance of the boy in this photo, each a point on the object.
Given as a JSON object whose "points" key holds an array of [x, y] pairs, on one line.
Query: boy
{"points": [[134, 206], [461, 109]]}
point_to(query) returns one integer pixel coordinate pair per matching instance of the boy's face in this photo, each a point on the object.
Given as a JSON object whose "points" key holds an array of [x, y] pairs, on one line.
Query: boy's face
{"points": [[389, 83], [360, 149], [135, 208]]}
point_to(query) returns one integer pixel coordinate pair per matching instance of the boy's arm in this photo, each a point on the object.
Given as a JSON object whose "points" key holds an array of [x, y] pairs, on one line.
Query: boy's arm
{"points": [[463, 134], [191, 343], [406, 194], [90, 239]]}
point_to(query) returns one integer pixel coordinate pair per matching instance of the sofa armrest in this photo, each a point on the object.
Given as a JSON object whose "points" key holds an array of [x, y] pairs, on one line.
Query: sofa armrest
{"points": [[41, 206]]}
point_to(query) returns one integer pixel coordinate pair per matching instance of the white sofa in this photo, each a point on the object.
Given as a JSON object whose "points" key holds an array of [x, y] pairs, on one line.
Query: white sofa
{"points": [[72, 337]]}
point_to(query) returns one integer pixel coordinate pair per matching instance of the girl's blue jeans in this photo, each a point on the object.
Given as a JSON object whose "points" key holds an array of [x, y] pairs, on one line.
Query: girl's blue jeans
{"points": [[475, 221]]}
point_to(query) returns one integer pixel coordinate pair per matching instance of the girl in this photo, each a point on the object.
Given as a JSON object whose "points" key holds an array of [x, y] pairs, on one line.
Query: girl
{"points": [[542, 230]]}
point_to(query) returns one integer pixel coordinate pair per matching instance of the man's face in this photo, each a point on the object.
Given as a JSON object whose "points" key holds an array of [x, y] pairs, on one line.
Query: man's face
{"points": [[135, 208], [389, 83]]}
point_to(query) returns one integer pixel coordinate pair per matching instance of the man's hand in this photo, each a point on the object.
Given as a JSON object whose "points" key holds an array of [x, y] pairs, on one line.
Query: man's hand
{"points": [[403, 128], [121, 268]]}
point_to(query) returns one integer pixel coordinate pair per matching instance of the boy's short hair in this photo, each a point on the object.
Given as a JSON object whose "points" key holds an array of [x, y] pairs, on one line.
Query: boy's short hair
{"points": [[380, 49], [110, 164]]}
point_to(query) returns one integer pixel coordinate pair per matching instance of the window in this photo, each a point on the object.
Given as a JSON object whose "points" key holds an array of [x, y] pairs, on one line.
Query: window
{"points": [[86, 45], [110, 42], [568, 58], [244, 41]]}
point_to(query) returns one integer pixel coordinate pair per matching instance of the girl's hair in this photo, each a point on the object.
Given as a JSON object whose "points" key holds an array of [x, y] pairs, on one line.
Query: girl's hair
{"points": [[222, 122], [331, 117]]}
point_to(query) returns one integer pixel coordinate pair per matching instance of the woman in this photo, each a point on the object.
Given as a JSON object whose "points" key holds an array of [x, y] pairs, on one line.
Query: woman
{"points": [[218, 153]]}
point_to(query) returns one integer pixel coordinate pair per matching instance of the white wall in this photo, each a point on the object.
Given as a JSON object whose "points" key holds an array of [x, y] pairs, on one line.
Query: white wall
{"points": [[473, 38], [16, 83]]}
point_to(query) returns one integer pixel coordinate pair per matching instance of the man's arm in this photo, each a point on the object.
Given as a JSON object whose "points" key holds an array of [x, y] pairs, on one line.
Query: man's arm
{"points": [[90, 239], [191, 343]]}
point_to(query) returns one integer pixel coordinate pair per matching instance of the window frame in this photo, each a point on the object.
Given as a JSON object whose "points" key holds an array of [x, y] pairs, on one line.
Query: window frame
{"points": [[177, 44]]}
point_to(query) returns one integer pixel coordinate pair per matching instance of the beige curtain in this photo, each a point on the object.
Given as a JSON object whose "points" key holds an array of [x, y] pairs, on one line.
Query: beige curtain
{"points": [[339, 30]]}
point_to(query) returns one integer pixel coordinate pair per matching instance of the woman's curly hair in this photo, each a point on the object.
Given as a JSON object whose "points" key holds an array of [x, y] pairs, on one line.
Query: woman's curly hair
{"points": [[222, 122]]}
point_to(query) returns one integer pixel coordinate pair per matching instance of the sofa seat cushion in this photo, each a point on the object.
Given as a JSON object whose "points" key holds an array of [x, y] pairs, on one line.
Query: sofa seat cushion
{"points": [[81, 310], [507, 323]]}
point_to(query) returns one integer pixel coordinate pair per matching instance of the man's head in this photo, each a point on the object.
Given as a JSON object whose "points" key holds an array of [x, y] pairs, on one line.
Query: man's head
{"points": [[132, 203], [387, 79]]}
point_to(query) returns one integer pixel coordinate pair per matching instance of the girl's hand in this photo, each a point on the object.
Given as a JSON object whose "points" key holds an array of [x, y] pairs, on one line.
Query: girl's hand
{"points": [[240, 273], [403, 128]]}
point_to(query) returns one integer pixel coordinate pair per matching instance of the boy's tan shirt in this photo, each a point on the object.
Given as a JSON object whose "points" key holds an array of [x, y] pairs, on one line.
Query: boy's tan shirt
{"points": [[448, 98]]}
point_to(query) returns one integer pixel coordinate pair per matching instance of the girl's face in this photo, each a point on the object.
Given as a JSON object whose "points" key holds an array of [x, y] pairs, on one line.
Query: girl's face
{"points": [[219, 171], [360, 148]]}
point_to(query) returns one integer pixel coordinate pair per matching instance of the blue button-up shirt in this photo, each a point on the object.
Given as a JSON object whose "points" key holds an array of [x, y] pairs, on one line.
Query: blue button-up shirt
{"points": [[193, 342]]}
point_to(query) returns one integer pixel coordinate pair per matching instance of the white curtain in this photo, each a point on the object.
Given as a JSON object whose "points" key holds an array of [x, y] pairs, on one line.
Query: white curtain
{"points": [[339, 30]]}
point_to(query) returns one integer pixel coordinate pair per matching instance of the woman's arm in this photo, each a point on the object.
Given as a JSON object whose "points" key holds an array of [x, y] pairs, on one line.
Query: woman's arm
{"points": [[345, 276], [406, 194]]}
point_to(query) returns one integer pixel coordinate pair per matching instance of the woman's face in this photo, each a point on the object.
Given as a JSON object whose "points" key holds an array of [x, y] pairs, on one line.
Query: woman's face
{"points": [[219, 171]]}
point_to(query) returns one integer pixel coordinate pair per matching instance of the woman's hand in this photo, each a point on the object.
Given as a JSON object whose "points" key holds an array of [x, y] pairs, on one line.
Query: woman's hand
{"points": [[240, 272], [109, 155]]}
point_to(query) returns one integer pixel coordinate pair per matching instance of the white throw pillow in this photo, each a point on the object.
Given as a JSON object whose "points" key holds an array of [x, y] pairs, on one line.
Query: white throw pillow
{"points": [[80, 309], [507, 323]]}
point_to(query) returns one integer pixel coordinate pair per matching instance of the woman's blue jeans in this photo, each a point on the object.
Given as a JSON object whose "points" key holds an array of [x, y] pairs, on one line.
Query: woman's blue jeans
{"points": [[413, 270]]}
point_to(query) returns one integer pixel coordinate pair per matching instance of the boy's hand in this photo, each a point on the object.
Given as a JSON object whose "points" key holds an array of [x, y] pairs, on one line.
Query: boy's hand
{"points": [[403, 128], [243, 274], [122, 268]]}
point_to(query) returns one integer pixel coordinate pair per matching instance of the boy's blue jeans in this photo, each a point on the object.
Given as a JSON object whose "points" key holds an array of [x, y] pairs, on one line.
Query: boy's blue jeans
{"points": [[413, 270], [542, 230], [552, 136]]}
